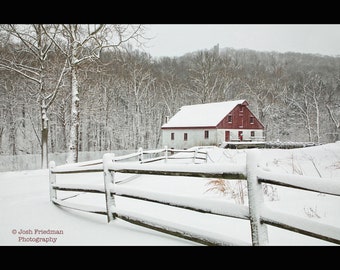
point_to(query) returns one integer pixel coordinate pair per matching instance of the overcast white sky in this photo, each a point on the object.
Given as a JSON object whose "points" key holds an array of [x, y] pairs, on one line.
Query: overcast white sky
{"points": [[178, 39]]}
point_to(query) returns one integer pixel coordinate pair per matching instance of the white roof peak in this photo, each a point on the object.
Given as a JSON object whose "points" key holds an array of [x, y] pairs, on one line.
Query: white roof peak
{"points": [[202, 115]]}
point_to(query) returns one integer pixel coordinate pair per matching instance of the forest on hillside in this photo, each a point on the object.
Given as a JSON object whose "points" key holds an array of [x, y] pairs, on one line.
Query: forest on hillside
{"points": [[124, 95]]}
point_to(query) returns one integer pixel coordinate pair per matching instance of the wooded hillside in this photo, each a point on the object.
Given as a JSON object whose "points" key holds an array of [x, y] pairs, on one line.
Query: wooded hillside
{"points": [[125, 95]]}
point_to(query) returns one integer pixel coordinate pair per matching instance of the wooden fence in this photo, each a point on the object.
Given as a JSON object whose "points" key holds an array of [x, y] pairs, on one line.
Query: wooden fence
{"points": [[256, 212]]}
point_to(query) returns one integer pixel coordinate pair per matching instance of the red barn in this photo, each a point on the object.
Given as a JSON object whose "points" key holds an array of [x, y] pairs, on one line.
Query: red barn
{"points": [[212, 124]]}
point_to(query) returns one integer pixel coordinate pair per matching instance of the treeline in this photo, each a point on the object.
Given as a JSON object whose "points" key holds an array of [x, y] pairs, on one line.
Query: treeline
{"points": [[125, 96]]}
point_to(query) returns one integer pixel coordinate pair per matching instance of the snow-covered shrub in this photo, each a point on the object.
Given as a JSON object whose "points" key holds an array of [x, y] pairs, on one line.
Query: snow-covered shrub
{"points": [[232, 189], [237, 190]]}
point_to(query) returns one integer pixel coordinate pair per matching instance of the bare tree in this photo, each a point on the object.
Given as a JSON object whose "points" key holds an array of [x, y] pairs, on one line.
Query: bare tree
{"points": [[82, 43], [206, 81], [9, 105], [170, 87], [138, 81], [29, 59], [306, 98], [99, 87], [333, 108]]}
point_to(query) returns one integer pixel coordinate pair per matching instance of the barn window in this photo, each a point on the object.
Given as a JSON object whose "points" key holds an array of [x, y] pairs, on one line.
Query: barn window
{"points": [[172, 136], [252, 133], [230, 118], [252, 121], [206, 134], [241, 108], [185, 136]]}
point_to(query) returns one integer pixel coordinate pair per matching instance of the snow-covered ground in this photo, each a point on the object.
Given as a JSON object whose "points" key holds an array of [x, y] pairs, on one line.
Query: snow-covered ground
{"points": [[26, 213]]}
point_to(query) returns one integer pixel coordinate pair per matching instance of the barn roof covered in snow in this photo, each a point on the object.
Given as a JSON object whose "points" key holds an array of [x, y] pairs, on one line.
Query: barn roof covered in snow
{"points": [[202, 115]]}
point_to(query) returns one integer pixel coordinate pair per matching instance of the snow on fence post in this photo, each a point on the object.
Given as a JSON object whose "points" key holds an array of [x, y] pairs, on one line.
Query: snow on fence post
{"points": [[259, 232], [53, 179], [166, 154], [140, 150], [108, 180]]}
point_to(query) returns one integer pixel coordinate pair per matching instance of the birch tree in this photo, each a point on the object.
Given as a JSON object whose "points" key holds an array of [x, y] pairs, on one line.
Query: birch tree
{"points": [[29, 60], [138, 81], [170, 85], [306, 98], [260, 93], [97, 123], [333, 108], [205, 76], [9, 107], [82, 43]]}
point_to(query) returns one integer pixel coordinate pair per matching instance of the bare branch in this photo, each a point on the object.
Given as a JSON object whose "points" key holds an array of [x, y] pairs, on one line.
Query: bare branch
{"points": [[25, 41], [56, 88], [21, 73], [337, 123]]}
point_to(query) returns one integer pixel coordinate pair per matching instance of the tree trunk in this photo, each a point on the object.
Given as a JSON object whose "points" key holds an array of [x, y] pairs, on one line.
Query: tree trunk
{"points": [[336, 122], [63, 125], [74, 132], [317, 122], [12, 134], [44, 148], [44, 136], [1, 135]]}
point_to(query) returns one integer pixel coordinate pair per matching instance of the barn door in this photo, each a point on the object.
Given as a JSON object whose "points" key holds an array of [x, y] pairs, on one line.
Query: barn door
{"points": [[227, 136], [240, 136]]}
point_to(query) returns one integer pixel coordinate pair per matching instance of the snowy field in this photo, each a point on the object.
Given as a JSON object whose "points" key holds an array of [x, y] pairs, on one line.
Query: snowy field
{"points": [[27, 213]]}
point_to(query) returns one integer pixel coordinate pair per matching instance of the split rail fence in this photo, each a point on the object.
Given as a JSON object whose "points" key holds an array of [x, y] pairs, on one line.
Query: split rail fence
{"points": [[256, 212]]}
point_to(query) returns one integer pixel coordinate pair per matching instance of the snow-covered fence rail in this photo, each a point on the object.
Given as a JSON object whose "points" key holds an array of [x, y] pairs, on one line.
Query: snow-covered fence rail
{"points": [[195, 154], [297, 224], [97, 166], [256, 212]]}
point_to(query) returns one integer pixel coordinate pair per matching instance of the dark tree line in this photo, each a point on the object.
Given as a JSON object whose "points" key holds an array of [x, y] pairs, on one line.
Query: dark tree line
{"points": [[125, 96]]}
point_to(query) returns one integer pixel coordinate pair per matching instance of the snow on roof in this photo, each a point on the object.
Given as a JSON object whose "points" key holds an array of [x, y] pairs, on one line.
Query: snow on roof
{"points": [[202, 115]]}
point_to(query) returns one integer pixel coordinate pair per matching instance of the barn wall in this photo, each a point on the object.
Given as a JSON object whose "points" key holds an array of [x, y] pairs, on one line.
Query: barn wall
{"points": [[240, 119], [195, 138]]}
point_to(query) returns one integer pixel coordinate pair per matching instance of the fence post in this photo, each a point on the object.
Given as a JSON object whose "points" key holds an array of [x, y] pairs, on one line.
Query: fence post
{"points": [[140, 150], [195, 155], [53, 179], [108, 180], [166, 154], [259, 232]]}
